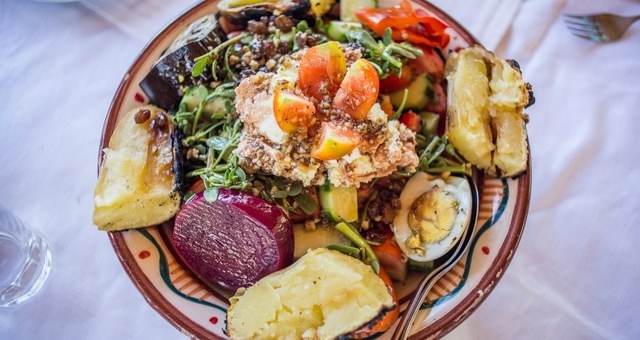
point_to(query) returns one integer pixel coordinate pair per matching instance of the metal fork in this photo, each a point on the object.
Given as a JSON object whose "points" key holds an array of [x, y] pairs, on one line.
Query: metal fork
{"points": [[599, 28]]}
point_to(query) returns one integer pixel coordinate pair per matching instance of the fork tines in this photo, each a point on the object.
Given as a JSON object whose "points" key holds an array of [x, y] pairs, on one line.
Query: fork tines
{"points": [[584, 27]]}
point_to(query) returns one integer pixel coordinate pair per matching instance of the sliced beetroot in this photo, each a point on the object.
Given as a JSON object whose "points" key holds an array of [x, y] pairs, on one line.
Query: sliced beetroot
{"points": [[234, 241]]}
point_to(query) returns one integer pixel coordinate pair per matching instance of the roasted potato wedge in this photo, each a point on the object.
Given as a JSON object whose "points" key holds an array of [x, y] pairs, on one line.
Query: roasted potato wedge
{"points": [[468, 119], [485, 118], [324, 295], [137, 185]]}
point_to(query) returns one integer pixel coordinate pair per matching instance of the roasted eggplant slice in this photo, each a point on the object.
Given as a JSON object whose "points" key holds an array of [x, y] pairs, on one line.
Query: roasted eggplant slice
{"points": [[171, 75], [239, 12], [138, 184]]}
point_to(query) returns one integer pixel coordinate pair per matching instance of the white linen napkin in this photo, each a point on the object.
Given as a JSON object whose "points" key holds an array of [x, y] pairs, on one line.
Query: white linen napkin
{"points": [[487, 20], [620, 7]]}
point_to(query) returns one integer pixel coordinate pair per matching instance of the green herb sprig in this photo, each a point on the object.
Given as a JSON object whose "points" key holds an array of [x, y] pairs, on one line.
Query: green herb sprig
{"points": [[278, 190], [386, 55], [211, 57], [433, 158], [361, 249]]}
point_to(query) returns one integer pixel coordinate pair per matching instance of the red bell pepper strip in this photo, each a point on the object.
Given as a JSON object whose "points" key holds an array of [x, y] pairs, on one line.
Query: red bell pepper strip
{"points": [[407, 24]]}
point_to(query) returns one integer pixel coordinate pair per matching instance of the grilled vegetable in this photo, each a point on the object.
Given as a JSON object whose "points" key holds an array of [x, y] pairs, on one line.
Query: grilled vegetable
{"points": [[165, 82], [239, 12], [139, 181], [406, 24], [486, 97], [234, 241], [325, 294]]}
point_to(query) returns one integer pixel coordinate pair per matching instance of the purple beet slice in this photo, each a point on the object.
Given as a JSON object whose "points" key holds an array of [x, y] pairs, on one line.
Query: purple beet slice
{"points": [[234, 241]]}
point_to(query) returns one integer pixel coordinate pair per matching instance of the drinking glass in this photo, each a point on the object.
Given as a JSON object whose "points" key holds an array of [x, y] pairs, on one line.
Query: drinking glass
{"points": [[25, 260]]}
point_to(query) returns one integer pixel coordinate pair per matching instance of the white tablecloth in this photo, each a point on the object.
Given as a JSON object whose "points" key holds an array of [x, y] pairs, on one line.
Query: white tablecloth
{"points": [[575, 274]]}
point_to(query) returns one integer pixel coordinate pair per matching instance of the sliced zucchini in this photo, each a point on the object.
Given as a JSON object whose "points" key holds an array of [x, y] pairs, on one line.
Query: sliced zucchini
{"points": [[339, 30], [196, 94], [193, 96], [420, 94], [430, 123], [322, 236], [339, 203]]}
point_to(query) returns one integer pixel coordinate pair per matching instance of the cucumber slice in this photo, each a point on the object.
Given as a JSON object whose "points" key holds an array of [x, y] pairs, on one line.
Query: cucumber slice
{"points": [[338, 30], [322, 236], [339, 203], [215, 106], [420, 94], [349, 8], [196, 94], [430, 123]]}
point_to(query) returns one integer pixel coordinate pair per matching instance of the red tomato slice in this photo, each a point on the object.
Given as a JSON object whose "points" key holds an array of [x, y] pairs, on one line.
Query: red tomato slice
{"points": [[334, 142], [386, 106], [359, 90], [439, 105], [292, 111], [394, 82], [431, 63], [321, 70], [412, 121]]}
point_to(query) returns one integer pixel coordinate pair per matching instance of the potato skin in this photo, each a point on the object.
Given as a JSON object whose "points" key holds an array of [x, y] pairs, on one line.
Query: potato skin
{"points": [[485, 118], [137, 185]]}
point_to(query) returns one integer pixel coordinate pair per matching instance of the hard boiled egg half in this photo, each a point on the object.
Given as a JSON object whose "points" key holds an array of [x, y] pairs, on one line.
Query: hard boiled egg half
{"points": [[433, 214]]}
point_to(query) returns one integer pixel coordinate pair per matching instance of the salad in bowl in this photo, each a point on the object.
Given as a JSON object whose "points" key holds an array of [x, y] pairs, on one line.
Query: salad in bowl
{"points": [[305, 161]]}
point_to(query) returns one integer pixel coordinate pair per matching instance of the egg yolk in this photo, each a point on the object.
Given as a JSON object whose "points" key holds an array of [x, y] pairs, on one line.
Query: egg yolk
{"points": [[431, 218]]}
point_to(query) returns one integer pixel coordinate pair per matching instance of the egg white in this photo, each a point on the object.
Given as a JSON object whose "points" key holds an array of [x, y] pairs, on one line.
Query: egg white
{"points": [[418, 184]]}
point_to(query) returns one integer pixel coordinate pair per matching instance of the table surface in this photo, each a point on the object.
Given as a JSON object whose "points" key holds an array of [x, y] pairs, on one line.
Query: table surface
{"points": [[574, 276]]}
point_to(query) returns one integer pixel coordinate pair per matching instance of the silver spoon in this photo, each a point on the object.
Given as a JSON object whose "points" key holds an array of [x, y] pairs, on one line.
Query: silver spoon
{"points": [[441, 266]]}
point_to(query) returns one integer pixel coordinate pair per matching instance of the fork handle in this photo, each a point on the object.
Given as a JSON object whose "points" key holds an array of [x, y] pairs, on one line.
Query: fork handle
{"points": [[404, 326], [624, 24]]}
